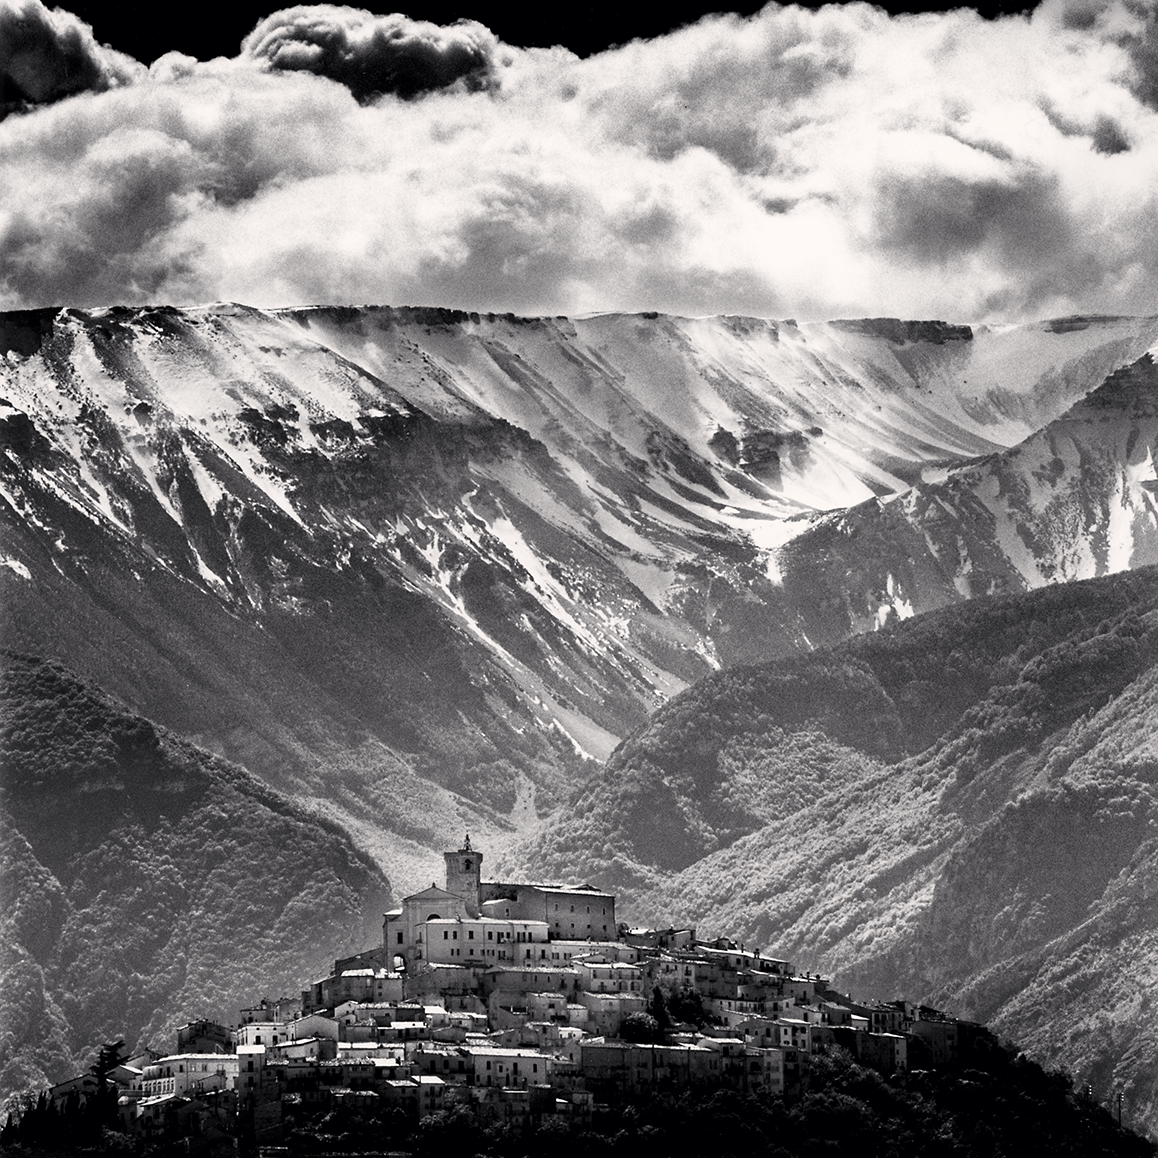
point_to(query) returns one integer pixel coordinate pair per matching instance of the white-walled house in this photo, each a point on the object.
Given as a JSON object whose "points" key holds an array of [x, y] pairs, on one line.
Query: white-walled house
{"points": [[189, 1073]]}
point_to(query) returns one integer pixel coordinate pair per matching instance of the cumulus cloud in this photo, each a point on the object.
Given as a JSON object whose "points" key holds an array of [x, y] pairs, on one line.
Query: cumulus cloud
{"points": [[45, 56], [372, 55], [796, 163]]}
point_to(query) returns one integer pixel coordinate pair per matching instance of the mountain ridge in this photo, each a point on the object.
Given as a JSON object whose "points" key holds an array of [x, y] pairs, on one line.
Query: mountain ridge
{"points": [[415, 568]]}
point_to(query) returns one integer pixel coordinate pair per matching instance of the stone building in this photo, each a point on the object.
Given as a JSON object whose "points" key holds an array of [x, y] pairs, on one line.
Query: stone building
{"points": [[491, 923]]}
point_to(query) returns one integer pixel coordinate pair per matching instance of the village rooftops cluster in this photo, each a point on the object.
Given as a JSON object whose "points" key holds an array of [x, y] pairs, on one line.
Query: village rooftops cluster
{"points": [[518, 1001]]}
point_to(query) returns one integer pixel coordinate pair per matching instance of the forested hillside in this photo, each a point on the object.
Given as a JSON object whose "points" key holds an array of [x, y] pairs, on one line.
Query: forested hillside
{"points": [[963, 808], [147, 882], [754, 744]]}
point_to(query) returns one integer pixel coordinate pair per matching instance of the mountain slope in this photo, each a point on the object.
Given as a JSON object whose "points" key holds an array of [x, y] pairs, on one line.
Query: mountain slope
{"points": [[147, 882], [414, 565], [1073, 501], [962, 808]]}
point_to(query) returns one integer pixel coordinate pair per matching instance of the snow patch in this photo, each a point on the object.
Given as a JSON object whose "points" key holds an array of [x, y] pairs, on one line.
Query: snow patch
{"points": [[896, 604], [771, 536], [211, 490], [962, 577]]}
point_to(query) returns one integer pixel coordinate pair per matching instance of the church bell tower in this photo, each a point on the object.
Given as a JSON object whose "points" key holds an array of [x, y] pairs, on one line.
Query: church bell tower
{"points": [[463, 875]]}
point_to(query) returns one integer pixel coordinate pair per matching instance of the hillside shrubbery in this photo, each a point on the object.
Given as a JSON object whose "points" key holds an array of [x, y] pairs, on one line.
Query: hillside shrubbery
{"points": [[748, 746], [149, 881]]}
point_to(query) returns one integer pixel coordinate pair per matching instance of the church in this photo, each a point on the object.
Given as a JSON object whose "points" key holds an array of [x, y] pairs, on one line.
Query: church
{"points": [[488, 923]]}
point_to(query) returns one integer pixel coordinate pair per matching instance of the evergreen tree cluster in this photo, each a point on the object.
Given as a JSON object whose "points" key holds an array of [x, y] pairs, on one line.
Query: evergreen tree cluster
{"points": [[84, 1121]]}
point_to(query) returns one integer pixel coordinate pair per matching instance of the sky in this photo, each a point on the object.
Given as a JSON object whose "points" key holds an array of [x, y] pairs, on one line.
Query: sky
{"points": [[836, 161]]}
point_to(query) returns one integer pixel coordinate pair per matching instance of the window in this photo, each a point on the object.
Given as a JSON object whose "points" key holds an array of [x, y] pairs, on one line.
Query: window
{"points": [[490, 935], [470, 934], [446, 934], [399, 936], [456, 935]]}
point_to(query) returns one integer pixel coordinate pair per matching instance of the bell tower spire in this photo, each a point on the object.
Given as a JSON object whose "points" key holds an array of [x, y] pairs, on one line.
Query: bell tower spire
{"points": [[464, 875]]}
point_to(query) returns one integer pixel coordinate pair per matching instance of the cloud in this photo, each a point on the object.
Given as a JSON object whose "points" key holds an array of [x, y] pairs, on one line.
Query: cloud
{"points": [[372, 55], [1141, 42], [796, 163], [45, 56]]}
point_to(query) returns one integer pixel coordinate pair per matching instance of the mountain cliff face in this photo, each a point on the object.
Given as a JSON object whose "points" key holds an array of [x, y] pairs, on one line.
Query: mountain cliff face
{"points": [[418, 565], [147, 882], [962, 808]]}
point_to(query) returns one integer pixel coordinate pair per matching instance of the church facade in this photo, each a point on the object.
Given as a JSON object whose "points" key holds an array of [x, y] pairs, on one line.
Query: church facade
{"points": [[487, 923]]}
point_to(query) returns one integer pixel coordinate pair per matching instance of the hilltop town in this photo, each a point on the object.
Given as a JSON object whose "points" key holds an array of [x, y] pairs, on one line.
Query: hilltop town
{"points": [[515, 1002]]}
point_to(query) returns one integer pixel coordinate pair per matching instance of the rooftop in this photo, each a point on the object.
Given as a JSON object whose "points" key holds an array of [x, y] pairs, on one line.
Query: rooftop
{"points": [[570, 889], [545, 888], [506, 1051], [434, 893], [504, 921], [531, 967]]}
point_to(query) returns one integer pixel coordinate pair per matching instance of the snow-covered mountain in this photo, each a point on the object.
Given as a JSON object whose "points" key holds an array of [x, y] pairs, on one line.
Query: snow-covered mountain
{"points": [[1073, 501], [416, 564]]}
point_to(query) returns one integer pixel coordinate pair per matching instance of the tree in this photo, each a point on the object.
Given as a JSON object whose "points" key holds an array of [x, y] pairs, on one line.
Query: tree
{"points": [[658, 1009], [640, 1027], [101, 1108], [687, 1004], [110, 1055]]}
